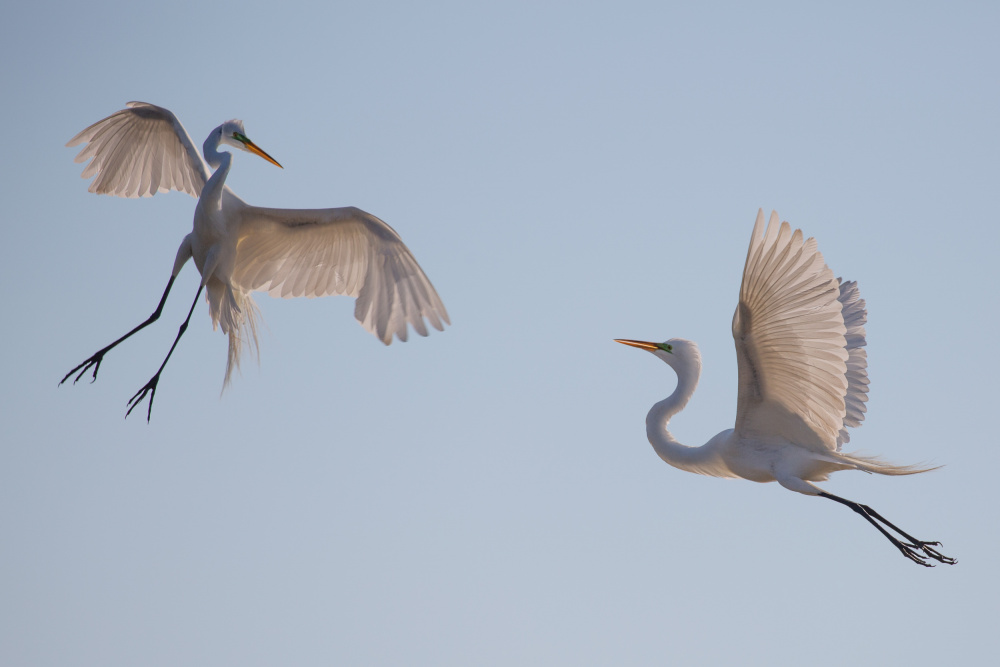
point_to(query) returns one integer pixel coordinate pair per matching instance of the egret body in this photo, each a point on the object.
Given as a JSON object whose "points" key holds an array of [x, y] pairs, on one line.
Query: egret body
{"points": [[803, 381], [238, 248]]}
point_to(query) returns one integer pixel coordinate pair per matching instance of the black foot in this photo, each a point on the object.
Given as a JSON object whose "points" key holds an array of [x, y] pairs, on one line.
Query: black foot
{"points": [[148, 388], [94, 361], [916, 550], [910, 551]]}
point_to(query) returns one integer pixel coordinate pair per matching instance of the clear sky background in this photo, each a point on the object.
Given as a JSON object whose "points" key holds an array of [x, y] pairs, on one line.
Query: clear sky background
{"points": [[565, 173]]}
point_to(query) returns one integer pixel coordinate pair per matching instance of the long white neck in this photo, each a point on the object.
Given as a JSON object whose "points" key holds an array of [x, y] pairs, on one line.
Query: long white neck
{"points": [[700, 460], [218, 160]]}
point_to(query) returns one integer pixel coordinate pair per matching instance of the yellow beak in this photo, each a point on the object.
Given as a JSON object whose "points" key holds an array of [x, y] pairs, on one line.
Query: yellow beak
{"points": [[256, 150], [641, 344]]}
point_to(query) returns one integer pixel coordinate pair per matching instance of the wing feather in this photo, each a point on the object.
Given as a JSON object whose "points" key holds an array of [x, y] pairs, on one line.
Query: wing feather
{"points": [[789, 331], [139, 151], [322, 252], [855, 318]]}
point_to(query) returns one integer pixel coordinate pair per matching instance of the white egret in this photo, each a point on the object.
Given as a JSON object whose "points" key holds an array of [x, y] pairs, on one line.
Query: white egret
{"points": [[803, 381], [143, 149]]}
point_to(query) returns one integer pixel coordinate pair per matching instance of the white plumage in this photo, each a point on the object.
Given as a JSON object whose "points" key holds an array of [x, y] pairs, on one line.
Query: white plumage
{"points": [[238, 248], [803, 380], [139, 151]]}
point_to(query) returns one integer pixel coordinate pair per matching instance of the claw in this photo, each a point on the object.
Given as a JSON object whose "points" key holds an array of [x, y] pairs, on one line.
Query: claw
{"points": [[914, 556], [94, 361], [935, 554], [148, 388], [910, 550]]}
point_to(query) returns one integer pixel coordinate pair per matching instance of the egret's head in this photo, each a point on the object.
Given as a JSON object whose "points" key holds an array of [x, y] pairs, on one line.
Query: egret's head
{"points": [[231, 132], [679, 353]]}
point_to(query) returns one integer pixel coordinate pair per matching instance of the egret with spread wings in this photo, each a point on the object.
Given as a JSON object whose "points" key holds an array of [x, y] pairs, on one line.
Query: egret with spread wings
{"points": [[803, 381], [143, 149]]}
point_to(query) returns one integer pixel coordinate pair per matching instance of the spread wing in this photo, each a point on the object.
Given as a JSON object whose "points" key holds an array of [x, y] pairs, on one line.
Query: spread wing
{"points": [[790, 341], [855, 316], [322, 252], [139, 151]]}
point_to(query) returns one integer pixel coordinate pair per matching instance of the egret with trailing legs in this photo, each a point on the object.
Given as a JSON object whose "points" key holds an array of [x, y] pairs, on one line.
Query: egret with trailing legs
{"points": [[803, 381]]}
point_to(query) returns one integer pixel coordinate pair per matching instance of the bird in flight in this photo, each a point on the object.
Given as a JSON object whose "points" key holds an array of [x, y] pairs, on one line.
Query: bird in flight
{"points": [[803, 381], [238, 248]]}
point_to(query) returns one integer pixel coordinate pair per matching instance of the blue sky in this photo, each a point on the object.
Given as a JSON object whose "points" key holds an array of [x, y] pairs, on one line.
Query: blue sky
{"points": [[566, 174]]}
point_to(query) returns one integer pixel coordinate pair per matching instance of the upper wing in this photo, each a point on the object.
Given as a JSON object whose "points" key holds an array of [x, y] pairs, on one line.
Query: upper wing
{"points": [[320, 252], [790, 341], [855, 316], [138, 151]]}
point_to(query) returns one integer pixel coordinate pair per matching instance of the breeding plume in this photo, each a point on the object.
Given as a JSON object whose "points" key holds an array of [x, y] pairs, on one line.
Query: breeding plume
{"points": [[803, 381], [143, 149]]}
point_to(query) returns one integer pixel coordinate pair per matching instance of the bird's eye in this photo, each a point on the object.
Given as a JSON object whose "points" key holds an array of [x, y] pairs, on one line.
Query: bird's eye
{"points": [[668, 347]]}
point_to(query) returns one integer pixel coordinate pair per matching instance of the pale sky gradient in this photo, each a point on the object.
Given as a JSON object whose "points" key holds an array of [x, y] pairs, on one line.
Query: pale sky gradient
{"points": [[566, 174]]}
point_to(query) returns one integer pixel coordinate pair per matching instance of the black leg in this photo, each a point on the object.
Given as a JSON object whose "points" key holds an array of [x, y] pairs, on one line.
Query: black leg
{"points": [[95, 360], [150, 387], [912, 548]]}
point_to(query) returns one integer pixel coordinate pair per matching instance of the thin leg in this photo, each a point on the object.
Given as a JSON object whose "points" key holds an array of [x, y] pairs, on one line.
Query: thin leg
{"points": [[911, 549], [95, 360], [150, 387]]}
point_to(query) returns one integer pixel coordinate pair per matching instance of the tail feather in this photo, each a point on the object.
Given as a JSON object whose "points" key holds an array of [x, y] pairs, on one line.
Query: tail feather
{"points": [[237, 313], [243, 335], [880, 466]]}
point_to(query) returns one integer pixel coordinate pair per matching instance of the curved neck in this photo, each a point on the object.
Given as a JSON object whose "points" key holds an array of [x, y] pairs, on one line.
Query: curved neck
{"points": [[693, 459], [218, 160]]}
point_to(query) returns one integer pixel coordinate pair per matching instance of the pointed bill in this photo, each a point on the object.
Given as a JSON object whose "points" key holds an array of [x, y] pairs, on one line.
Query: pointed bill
{"points": [[256, 150], [641, 344]]}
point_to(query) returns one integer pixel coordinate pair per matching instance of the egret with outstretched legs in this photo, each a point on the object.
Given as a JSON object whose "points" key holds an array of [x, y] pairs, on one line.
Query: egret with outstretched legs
{"points": [[803, 381], [238, 248]]}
